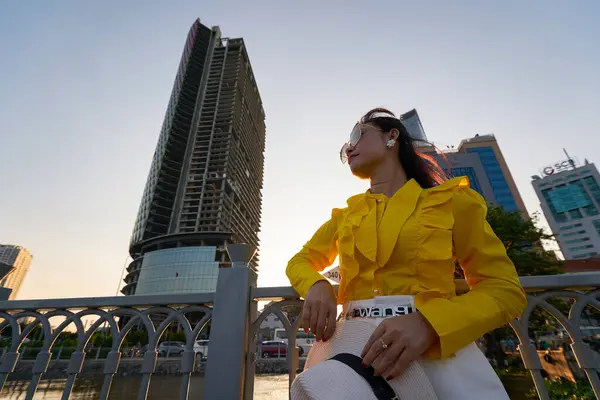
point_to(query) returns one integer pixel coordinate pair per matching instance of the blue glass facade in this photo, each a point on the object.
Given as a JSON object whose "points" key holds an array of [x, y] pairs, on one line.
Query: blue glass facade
{"points": [[412, 123], [572, 200], [179, 270], [491, 166], [559, 217], [593, 187], [469, 173], [571, 203], [569, 197]]}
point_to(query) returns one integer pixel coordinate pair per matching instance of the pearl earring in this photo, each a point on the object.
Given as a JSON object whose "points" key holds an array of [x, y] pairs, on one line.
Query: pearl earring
{"points": [[390, 143]]}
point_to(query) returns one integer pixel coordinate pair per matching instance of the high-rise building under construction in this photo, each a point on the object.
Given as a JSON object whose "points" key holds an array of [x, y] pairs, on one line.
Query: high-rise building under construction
{"points": [[14, 265], [204, 186]]}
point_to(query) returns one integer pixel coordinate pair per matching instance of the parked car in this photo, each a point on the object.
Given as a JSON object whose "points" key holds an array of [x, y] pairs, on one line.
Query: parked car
{"points": [[171, 349], [201, 349], [271, 349], [303, 340]]}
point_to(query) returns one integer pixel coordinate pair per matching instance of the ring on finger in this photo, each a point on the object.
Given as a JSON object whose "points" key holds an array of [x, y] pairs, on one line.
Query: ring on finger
{"points": [[384, 346]]}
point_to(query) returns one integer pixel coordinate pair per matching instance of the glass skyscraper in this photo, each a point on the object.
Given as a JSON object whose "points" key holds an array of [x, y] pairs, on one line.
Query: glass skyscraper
{"points": [[470, 173], [413, 125], [570, 201], [480, 159], [204, 185], [496, 171], [493, 171], [179, 270]]}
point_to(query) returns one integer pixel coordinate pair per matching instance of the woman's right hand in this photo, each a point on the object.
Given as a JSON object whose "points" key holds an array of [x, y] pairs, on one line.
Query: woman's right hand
{"points": [[319, 313]]}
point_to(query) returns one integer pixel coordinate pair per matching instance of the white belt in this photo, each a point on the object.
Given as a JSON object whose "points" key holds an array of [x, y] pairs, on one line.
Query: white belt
{"points": [[379, 307]]}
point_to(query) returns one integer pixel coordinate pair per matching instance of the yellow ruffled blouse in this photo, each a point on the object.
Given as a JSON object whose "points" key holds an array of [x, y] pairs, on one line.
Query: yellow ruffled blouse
{"points": [[406, 245]]}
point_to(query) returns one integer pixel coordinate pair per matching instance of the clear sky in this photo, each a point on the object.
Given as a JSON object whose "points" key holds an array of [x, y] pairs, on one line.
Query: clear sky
{"points": [[84, 87]]}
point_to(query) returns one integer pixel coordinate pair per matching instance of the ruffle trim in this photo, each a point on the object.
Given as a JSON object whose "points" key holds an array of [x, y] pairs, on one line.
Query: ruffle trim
{"points": [[359, 207]]}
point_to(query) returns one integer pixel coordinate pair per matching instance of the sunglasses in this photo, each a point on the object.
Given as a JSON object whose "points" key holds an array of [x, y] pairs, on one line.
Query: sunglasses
{"points": [[355, 135], [357, 132]]}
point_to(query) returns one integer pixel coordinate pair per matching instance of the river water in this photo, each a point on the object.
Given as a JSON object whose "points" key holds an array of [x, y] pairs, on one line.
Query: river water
{"points": [[266, 387]]}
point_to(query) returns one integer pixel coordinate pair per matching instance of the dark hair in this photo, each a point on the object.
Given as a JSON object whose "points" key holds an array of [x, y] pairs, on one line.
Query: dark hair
{"points": [[418, 166]]}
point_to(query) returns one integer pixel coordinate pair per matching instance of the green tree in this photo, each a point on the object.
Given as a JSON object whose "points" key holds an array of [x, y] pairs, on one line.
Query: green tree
{"points": [[101, 339], [176, 336], [562, 389], [137, 337], [523, 241]]}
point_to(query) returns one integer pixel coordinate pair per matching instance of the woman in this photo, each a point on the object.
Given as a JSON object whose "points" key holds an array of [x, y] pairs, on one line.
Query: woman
{"points": [[396, 245]]}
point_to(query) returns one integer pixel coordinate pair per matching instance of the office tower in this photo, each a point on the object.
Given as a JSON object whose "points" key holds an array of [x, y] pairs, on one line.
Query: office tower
{"points": [[570, 199], [469, 165], [496, 170], [413, 125], [16, 260], [204, 186], [480, 159]]}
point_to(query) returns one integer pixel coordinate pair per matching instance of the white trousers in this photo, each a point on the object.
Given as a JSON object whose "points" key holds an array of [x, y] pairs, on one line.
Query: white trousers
{"points": [[466, 376]]}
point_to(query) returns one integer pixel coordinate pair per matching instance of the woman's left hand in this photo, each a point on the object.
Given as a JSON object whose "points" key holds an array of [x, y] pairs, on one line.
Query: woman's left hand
{"points": [[399, 341]]}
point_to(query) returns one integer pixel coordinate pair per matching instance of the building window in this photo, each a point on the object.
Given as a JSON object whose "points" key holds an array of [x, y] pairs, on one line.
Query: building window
{"points": [[568, 197], [579, 240], [590, 210], [469, 173], [575, 214], [491, 166], [587, 246], [567, 227], [561, 217], [597, 225], [558, 217], [569, 234], [592, 185], [585, 255]]}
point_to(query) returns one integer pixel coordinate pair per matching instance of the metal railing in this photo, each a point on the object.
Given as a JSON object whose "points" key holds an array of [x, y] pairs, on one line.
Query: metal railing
{"points": [[582, 288], [119, 315], [235, 323]]}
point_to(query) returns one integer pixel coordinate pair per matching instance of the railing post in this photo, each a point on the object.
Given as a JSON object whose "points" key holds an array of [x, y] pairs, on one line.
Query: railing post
{"points": [[251, 352], [5, 293], [228, 344], [589, 363]]}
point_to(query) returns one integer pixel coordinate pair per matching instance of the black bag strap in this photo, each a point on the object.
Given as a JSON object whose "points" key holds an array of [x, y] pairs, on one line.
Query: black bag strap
{"points": [[381, 388]]}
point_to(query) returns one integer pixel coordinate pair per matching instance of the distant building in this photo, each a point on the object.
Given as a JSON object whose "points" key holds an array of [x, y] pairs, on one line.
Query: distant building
{"points": [[272, 322], [570, 199], [584, 265], [17, 261], [203, 189], [413, 125], [481, 160], [469, 165], [496, 170]]}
